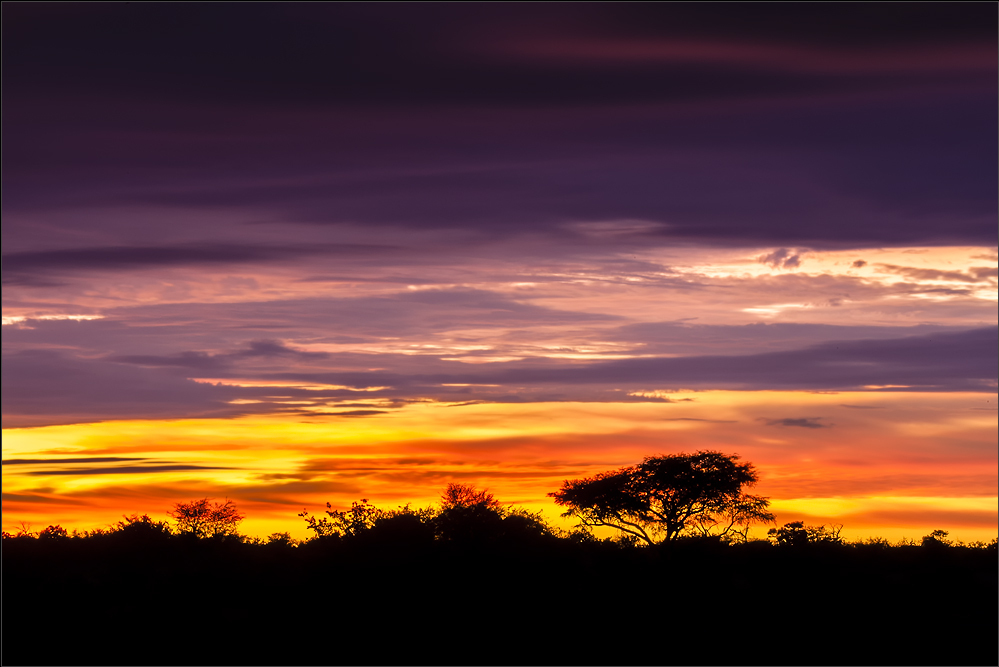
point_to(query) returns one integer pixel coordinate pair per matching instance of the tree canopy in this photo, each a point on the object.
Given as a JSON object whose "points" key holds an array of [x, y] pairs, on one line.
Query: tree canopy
{"points": [[204, 518], [467, 495], [664, 497], [359, 518]]}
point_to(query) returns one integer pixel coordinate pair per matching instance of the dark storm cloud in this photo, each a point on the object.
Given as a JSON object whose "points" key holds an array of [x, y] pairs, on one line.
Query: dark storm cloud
{"points": [[813, 125]]}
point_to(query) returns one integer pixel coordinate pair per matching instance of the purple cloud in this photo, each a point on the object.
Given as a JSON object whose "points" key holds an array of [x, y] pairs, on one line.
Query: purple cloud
{"points": [[31, 268], [438, 118], [782, 258], [451, 147]]}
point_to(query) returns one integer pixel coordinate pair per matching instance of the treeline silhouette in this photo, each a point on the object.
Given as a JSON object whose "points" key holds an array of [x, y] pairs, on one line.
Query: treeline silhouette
{"points": [[472, 581]]}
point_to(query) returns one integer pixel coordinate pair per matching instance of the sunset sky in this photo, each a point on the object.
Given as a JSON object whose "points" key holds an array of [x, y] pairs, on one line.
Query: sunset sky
{"points": [[297, 253]]}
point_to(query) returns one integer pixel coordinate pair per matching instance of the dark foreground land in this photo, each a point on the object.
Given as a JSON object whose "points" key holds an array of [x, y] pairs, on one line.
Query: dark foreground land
{"points": [[162, 599]]}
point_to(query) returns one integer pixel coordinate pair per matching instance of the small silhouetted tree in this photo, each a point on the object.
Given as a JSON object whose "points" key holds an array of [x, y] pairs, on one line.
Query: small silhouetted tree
{"points": [[468, 514], [664, 496], [936, 540], [791, 534], [467, 495], [204, 518], [351, 523], [797, 534]]}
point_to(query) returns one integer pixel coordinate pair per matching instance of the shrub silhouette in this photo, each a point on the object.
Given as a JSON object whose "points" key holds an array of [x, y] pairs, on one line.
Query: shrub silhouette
{"points": [[466, 515], [141, 527], [472, 516], [55, 532], [522, 526], [472, 523], [281, 540], [350, 523], [797, 534], [404, 529]]}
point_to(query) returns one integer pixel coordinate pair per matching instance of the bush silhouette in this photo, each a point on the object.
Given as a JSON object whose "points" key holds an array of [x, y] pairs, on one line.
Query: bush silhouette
{"points": [[936, 540], [344, 523], [141, 528], [55, 532], [797, 534], [404, 529]]}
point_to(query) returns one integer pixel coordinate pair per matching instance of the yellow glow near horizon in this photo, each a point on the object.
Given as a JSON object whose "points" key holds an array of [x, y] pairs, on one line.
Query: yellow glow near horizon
{"points": [[876, 469]]}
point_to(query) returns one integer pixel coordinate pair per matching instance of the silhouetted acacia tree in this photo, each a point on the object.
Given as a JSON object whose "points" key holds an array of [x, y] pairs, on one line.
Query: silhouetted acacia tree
{"points": [[203, 518], [663, 496]]}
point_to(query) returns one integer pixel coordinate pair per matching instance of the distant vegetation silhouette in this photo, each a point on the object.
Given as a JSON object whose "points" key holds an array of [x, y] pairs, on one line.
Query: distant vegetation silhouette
{"points": [[797, 534], [472, 580], [465, 515]]}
